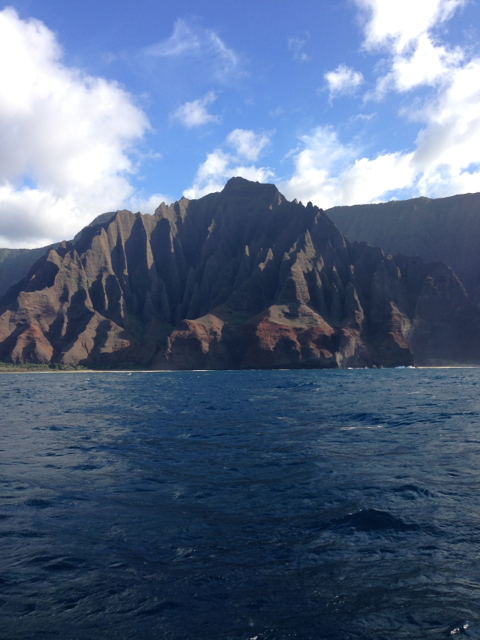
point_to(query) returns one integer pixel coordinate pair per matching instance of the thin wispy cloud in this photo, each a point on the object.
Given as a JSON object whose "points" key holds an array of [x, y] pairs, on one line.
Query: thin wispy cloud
{"points": [[189, 40], [297, 47]]}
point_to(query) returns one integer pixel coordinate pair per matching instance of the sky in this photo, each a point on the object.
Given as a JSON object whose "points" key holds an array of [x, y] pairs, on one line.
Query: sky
{"points": [[113, 104]]}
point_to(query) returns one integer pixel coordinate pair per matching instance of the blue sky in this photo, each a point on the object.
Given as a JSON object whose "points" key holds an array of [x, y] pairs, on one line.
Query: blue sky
{"points": [[109, 104]]}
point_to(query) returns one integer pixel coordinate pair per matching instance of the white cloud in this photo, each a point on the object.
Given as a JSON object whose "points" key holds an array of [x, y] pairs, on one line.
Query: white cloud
{"points": [[328, 173], [148, 205], [370, 180], [446, 156], [194, 114], [405, 29], [343, 80], [444, 161], [398, 23], [427, 64], [192, 41], [220, 165], [448, 148], [297, 46], [64, 135], [247, 144]]}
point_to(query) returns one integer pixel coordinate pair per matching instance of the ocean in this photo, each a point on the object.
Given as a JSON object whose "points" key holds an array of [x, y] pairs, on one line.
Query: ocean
{"points": [[246, 505]]}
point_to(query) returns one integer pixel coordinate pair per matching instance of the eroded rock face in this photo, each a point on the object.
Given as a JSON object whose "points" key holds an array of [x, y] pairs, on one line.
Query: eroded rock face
{"points": [[440, 229], [14, 264], [50, 317], [237, 279]]}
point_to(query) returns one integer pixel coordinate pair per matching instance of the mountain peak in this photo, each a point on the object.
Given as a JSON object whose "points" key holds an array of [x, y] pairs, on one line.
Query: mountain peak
{"points": [[235, 280], [243, 187]]}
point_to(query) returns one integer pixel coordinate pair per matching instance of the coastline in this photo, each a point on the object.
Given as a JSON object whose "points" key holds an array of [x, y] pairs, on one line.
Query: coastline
{"points": [[14, 370]]}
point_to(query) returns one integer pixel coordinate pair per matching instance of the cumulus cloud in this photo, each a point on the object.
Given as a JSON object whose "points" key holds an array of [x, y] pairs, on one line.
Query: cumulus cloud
{"points": [[446, 155], [426, 64], [65, 138], [329, 173], [247, 144], [221, 165], [448, 147], [445, 158], [397, 23], [195, 114], [343, 80], [406, 31], [192, 41]]}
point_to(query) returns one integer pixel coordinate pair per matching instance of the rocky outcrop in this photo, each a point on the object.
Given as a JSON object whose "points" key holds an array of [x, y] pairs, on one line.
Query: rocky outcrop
{"points": [[16, 263], [442, 229], [237, 279]]}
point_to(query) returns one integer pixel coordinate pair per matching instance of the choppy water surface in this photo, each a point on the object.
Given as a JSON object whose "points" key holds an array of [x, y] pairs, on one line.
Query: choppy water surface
{"points": [[240, 505]]}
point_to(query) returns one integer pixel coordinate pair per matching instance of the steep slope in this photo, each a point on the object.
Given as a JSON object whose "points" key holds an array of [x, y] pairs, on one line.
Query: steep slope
{"points": [[15, 263], [237, 279], [443, 229]]}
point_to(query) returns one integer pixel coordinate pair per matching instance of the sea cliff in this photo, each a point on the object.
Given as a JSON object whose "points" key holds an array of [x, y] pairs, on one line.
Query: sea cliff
{"points": [[237, 279]]}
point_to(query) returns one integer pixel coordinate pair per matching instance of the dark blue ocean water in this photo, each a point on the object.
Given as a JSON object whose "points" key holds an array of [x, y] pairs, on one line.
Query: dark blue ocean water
{"points": [[240, 505]]}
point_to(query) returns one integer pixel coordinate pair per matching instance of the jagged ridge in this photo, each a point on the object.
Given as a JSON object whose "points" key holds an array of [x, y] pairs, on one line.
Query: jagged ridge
{"points": [[237, 279], [445, 229]]}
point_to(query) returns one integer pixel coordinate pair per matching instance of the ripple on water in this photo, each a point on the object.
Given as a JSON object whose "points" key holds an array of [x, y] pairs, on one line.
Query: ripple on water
{"points": [[240, 505]]}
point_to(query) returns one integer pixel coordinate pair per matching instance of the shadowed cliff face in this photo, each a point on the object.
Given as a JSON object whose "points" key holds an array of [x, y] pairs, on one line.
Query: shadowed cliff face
{"points": [[14, 264], [442, 229], [237, 279]]}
